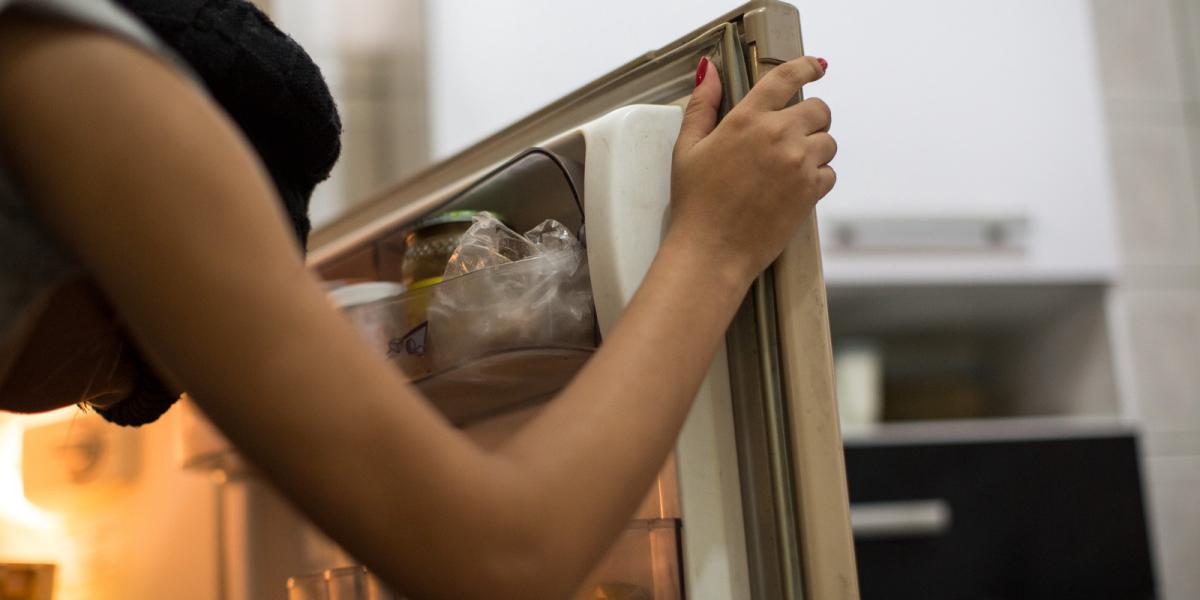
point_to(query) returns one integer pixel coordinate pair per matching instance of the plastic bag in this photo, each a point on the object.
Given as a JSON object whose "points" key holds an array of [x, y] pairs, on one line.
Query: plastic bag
{"points": [[504, 291]]}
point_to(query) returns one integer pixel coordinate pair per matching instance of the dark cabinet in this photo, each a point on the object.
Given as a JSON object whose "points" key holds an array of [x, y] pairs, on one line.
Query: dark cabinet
{"points": [[993, 517]]}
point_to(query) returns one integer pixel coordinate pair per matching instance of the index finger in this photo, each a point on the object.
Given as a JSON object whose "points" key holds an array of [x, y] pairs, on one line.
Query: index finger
{"points": [[778, 87]]}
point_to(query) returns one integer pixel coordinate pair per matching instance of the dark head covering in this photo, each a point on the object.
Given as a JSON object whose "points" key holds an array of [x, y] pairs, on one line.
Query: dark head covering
{"points": [[274, 92], [264, 80]]}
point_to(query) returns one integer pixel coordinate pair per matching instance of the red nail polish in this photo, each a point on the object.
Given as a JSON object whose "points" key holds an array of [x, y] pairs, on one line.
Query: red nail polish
{"points": [[824, 64], [701, 70]]}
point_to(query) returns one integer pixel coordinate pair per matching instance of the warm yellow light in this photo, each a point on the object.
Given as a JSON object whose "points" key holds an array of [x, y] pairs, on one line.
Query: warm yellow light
{"points": [[14, 508], [28, 533]]}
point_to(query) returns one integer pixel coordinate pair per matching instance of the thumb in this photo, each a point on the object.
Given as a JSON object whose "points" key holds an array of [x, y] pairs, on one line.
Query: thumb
{"points": [[700, 116]]}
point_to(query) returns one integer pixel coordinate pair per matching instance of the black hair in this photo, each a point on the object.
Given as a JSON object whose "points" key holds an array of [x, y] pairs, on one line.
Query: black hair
{"points": [[275, 93]]}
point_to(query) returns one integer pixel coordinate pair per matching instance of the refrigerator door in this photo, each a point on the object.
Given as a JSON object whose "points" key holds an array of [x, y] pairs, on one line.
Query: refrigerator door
{"points": [[760, 466]]}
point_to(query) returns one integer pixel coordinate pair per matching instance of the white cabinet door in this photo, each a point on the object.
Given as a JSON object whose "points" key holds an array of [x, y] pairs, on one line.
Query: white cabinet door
{"points": [[963, 111]]}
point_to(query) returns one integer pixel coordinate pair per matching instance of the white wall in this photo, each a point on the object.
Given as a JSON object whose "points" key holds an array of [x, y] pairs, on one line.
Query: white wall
{"points": [[939, 107], [491, 63]]}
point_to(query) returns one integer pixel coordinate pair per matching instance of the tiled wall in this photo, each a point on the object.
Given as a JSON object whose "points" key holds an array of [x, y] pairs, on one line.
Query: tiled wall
{"points": [[1150, 69]]}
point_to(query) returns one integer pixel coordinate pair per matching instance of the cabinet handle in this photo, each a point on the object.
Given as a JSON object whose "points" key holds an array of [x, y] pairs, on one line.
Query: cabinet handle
{"points": [[900, 519]]}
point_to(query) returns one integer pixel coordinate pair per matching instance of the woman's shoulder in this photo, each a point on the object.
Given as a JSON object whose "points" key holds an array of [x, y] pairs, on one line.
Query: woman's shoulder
{"points": [[102, 15]]}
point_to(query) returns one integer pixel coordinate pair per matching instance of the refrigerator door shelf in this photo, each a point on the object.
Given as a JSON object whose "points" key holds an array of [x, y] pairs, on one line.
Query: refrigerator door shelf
{"points": [[542, 182], [502, 382]]}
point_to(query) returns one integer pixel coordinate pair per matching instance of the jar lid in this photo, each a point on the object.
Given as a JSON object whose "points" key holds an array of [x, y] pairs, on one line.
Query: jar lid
{"points": [[454, 216], [352, 295]]}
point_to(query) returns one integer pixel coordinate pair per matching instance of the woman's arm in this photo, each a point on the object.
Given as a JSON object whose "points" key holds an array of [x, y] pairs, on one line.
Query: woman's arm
{"points": [[171, 213]]}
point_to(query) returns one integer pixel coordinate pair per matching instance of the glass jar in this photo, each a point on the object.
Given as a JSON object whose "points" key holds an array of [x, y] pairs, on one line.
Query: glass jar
{"points": [[429, 244]]}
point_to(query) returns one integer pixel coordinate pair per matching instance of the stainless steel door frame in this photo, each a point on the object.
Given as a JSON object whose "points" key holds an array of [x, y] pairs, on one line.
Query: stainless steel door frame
{"points": [[789, 442], [796, 284]]}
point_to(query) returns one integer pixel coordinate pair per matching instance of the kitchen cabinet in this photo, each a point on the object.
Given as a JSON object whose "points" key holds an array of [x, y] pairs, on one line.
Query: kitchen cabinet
{"points": [[959, 117], [1024, 508]]}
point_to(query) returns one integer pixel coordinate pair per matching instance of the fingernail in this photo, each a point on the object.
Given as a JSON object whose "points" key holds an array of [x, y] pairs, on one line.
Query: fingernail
{"points": [[701, 70], [824, 64]]}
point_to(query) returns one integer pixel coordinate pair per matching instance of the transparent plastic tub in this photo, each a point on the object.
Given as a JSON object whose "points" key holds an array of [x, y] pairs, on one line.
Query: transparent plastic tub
{"points": [[343, 583], [488, 354]]}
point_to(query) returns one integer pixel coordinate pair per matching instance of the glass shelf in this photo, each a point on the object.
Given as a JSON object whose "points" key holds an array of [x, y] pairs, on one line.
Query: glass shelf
{"points": [[643, 564]]}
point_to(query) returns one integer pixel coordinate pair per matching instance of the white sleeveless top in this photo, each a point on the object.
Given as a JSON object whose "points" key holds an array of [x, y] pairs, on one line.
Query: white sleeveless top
{"points": [[30, 261]]}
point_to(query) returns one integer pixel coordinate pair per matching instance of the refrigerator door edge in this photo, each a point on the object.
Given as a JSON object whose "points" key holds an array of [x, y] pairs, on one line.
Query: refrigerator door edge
{"points": [[816, 453]]}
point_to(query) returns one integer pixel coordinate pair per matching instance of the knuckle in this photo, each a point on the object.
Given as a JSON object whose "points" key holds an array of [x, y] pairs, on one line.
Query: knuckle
{"points": [[738, 119], [796, 156], [825, 141], [820, 107], [776, 131], [829, 182], [801, 155], [818, 112]]}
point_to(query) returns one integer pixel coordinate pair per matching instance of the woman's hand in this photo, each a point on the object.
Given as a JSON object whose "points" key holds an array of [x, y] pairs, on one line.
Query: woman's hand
{"points": [[741, 188]]}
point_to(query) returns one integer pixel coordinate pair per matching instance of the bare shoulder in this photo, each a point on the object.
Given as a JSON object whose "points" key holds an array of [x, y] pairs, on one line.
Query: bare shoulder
{"points": [[89, 115], [40, 53], [54, 74]]}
